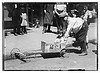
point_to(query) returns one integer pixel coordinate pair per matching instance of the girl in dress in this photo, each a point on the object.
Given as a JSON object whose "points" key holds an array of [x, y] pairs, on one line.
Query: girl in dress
{"points": [[24, 23]]}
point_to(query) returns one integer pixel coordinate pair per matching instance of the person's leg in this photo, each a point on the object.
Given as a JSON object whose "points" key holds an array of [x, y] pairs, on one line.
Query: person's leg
{"points": [[81, 38], [87, 40], [75, 44], [25, 31], [64, 26], [88, 22], [15, 31], [15, 26], [48, 28], [21, 30], [37, 25], [61, 25], [57, 23], [18, 30], [83, 47], [44, 28]]}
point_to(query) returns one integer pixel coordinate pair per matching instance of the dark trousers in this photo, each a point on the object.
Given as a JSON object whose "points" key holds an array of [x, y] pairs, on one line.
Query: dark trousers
{"points": [[16, 23], [81, 37], [17, 28], [46, 27], [61, 23], [81, 44], [23, 29]]}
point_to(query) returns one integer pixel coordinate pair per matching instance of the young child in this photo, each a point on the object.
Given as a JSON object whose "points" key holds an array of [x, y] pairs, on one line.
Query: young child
{"points": [[24, 23]]}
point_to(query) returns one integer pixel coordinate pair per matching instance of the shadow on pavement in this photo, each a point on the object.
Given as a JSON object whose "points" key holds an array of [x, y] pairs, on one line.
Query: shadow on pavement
{"points": [[57, 54], [76, 70], [51, 32], [95, 51], [93, 41], [50, 55], [73, 51]]}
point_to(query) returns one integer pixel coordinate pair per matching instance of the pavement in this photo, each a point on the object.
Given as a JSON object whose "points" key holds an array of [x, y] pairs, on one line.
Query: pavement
{"points": [[27, 42], [32, 41]]}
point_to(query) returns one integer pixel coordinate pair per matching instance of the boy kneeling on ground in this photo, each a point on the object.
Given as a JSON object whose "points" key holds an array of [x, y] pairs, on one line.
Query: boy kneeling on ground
{"points": [[79, 28]]}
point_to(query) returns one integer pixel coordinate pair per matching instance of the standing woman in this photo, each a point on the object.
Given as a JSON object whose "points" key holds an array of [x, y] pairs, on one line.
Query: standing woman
{"points": [[60, 14], [48, 17], [16, 19]]}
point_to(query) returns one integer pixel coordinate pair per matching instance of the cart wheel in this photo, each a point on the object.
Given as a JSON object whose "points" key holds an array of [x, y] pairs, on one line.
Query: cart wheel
{"points": [[13, 51], [16, 51], [62, 52]]}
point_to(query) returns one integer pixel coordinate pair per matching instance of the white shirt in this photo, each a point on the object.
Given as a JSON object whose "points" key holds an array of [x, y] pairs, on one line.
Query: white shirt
{"points": [[60, 6], [74, 24], [24, 15], [87, 14], [24, 21]]}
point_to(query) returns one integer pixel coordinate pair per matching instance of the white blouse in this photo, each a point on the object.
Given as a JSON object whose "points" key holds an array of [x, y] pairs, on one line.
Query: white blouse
{"points": [[24, 21]]}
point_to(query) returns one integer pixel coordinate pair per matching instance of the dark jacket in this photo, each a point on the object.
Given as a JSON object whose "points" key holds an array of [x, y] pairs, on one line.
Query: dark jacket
{"points": [[16, 16], [48, 16]]}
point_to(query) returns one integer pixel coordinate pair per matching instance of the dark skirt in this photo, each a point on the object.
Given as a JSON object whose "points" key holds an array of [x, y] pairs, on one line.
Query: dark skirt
{"points": [[48, 18]]}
